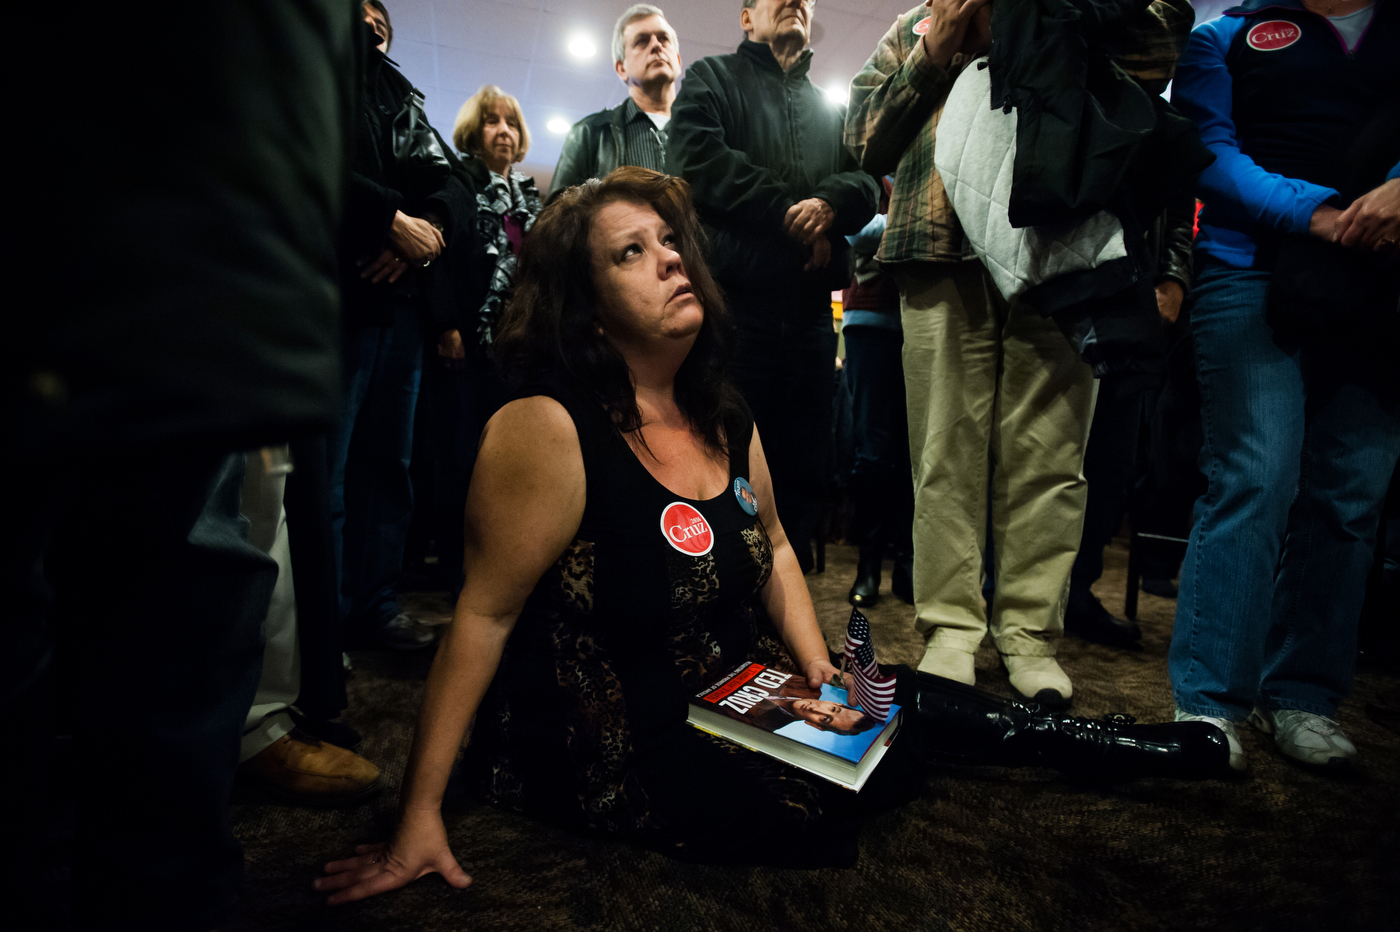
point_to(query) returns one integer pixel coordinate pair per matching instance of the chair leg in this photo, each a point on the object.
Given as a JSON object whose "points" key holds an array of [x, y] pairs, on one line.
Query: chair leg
{"points": [[1130, 598]]}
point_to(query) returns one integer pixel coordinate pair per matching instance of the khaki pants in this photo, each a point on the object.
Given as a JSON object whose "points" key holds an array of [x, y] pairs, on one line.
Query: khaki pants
{"points": [[987, 380], [280, 683]]}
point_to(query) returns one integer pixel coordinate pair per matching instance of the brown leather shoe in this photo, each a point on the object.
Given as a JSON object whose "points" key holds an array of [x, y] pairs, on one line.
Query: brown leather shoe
{"points": [[300, 769]]}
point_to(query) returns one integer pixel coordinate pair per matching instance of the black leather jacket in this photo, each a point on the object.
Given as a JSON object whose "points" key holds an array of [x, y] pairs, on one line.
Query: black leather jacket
{"points": [[372, 197], [591, 149], [1169, 240]]}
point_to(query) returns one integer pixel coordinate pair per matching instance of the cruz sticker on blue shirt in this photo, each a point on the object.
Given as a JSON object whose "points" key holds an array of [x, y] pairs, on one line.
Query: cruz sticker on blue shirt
{"points": [[744, 493]]}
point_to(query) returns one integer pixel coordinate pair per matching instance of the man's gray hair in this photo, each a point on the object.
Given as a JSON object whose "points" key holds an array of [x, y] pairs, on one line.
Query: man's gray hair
{"points": [[631, 15]]}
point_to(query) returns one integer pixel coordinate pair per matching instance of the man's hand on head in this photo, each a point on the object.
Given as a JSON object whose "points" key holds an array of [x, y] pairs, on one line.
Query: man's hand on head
{"points": [[950, 22]]}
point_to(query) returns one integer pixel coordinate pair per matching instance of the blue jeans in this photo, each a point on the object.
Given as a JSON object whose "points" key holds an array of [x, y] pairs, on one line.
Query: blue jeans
{"points": [[1297, 459], [371, 495]]}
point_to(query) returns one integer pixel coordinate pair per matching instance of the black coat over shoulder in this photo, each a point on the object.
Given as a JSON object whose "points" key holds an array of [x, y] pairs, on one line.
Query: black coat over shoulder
{"points": [[373, 196], [375, 193], [192, 285], [456, 285]]}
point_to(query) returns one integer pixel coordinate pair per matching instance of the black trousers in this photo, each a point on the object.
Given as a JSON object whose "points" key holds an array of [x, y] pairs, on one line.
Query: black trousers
{"points": [[156, 647], [1109, 464], [458, 402], [884, 491], [308, 505], [783, 362]]}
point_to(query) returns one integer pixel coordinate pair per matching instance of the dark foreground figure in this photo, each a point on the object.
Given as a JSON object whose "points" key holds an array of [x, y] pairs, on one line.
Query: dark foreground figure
{"points": [[195, 319], [614, 569]]}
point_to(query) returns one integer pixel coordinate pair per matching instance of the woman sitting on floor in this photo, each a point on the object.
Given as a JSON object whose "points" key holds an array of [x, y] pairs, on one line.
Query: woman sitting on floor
{"points": [[583, 628]]}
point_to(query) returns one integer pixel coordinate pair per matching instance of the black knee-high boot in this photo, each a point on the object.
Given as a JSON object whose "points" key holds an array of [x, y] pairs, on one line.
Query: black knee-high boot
{"points": [[964, 724], [866, 591]]}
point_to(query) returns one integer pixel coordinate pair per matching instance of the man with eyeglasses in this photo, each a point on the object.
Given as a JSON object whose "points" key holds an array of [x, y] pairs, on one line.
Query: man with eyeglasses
{"points": [[778, 192], [646, 57]]}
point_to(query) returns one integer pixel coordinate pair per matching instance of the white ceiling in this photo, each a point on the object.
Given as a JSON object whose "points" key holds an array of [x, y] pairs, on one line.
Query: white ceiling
{"points": [[449, 48]]}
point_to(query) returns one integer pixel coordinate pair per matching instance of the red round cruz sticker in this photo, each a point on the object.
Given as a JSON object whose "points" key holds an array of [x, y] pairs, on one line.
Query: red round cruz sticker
{"points": [[1274, 35], [921, 27], [686, 529]]}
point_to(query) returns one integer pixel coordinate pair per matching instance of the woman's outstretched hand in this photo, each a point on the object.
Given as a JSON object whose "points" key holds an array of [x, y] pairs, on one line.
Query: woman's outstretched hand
{"points": [[418, 847], [818, 673]]}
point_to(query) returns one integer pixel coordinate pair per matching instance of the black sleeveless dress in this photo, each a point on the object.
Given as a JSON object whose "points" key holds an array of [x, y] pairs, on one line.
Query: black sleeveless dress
{"points": [[584, 724]]}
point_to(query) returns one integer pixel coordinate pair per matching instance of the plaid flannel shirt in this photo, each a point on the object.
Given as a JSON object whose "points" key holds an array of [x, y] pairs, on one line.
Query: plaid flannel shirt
{"points": [[898, 96]]}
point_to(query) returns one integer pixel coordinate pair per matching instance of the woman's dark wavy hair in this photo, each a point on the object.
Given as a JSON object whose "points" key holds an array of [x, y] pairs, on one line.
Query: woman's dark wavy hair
{"points": [[549, 331]]}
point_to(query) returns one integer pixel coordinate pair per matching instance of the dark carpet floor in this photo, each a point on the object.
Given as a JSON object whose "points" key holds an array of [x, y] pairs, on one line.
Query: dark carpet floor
{"points": [[982, 849]]}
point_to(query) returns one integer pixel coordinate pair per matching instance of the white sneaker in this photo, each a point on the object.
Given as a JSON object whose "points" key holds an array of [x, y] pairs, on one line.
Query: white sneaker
{"points": [[950, 663], [1303, 736], [1237, 761], [1039, 679]]}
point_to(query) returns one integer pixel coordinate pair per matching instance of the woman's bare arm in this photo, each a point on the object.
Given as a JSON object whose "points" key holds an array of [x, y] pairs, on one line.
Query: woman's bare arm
{"points": [[524, 506], [785, 597]]}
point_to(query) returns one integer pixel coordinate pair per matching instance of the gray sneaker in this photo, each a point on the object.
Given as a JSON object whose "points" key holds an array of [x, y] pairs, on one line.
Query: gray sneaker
{"points": [[1303, 736], [1237, 761]]}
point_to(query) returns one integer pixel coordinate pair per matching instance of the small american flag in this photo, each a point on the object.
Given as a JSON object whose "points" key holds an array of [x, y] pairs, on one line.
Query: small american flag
{"points": [[866, 687]]}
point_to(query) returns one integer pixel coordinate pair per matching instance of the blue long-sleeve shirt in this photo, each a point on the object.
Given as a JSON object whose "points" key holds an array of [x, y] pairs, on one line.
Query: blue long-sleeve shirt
{"points": [[1276, 94]]}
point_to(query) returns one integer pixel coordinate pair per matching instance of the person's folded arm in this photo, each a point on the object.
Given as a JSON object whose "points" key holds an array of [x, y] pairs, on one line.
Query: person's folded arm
{"points": [[723, 180], [524, 507], [854, 196], [892, 98], [1202, 90], [867, 241], [370, 208]]}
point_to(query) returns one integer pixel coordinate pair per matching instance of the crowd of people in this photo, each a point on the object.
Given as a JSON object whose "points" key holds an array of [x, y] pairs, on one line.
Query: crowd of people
{"points": [[1028, 296]]}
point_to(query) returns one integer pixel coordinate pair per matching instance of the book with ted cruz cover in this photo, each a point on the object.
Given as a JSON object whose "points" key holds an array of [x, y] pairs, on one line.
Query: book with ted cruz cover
{"points": [[775, 713]]}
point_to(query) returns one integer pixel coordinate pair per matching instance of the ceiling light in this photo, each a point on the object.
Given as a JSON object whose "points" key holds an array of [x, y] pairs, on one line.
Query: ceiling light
{"points": [[581, 46], [837, 93], [558, 125]]}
